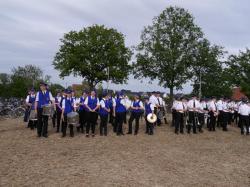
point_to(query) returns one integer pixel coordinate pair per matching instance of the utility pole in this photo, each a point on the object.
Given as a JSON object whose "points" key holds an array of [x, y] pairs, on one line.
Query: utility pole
{"points": [[108, 79], [200, 86]]}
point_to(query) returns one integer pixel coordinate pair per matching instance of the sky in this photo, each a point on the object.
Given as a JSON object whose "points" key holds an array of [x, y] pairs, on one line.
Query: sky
{"points": [[30, 30]]}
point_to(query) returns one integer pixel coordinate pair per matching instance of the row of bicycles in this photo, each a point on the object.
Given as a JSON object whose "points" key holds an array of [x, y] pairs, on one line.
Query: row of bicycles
{"points": [[12, 108]]}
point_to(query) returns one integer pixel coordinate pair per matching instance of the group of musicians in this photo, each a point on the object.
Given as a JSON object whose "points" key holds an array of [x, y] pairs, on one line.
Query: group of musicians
{"points": [[111, 109], [192, 114]]}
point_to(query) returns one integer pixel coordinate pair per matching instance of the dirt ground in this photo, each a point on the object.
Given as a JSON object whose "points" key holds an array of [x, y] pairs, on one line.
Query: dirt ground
{"points": [[165, 159]]}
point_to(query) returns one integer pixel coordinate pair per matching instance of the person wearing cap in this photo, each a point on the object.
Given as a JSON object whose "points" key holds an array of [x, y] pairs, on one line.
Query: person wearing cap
{"points": [[159, 106], [244, 112], [225, 114], [193, 108], [149, 109], [104, 112], [82, 112], [136, 110], [27, 109], [213, 113], [58, 103], [43, 97], [180, 108], [120, 110], [112, 109], [30, 102], [92, 105], [219, 105], [68, 104]]}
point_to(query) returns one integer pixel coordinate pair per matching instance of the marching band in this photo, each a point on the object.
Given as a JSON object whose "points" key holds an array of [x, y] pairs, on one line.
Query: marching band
{"points": [[68, 111]]}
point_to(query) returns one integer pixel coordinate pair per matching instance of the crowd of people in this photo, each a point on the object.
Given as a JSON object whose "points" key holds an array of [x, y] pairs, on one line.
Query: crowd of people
{"points": [[190, 114]]}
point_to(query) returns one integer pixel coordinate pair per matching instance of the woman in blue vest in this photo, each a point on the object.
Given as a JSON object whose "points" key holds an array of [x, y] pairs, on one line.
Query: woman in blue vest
{"points": [[136, 110], [30, 102], [67, 107], [104, 112], [149, 109], [82, 112], [92, 106], [43, 97], [120, 110]]}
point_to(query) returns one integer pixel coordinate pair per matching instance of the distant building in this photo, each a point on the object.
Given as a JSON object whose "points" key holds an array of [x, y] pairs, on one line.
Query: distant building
{"points": [[237, 94]]}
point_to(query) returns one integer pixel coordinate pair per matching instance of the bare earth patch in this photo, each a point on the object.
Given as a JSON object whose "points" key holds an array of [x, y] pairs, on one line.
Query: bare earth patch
{"points": [[165, 159]]}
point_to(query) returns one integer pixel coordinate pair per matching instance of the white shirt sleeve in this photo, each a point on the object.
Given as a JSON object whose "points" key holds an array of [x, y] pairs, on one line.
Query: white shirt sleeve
{"points": [[63, 104], [27, 98], [102, 104], [37, 97], [141, 104], [152, 107], [113, 101], [86, 101], [123, 102]]}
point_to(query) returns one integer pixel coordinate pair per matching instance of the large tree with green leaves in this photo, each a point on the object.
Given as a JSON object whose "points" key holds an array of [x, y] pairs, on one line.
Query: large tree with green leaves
{"points": [[166, 48], [91, 53], [238, 70], [208, 72]]}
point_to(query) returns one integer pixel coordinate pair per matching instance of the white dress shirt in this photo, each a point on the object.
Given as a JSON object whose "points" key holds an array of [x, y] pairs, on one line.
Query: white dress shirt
{"points": [[190, 105], [244, 109], [153, 100]]}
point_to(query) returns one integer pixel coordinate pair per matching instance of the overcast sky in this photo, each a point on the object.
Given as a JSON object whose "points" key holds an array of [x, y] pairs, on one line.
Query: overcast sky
{"points": [[30, 29]]}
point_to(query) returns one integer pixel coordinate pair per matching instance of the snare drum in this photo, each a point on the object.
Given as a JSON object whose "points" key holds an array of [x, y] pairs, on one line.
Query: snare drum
{"points": [[46, 110], [73, 118], [33, 115]]}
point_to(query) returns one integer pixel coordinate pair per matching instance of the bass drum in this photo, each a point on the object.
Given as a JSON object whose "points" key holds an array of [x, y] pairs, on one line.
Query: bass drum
{"points": [[73, 119], [33, 115], [152, 118]]}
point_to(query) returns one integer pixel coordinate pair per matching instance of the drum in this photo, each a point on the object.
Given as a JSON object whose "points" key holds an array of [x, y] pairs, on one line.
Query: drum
{"points": [[33, 115], [47, 110], [152, 118], [73, 119], [160, 114]]}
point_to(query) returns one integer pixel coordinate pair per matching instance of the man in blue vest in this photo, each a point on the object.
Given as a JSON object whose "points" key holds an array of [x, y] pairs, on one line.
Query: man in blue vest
{"points": [[120, 110], [92, 106], [58, 103], [149, 109], [43, 97], [104, 112], [136, 110]]}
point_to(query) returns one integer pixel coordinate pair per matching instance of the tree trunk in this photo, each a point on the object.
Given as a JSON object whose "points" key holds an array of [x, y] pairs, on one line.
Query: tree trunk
{"points": [[171, 94]]}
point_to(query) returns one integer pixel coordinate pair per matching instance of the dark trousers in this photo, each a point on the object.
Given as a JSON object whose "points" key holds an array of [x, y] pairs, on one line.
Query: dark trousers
{"points": [[220, 119], [65, 125], [179, 122], [173, 117], [58, 121], [192, 121], [149, 127], [82, 120], [103, 125], [119, 122], [244, 123], [134, 116], [42, 125], [201, 118], [91, 122], [111, 117], [54, 119], [125, 117], [212, 121], [225, 120], [26, 114], [32, 124]]}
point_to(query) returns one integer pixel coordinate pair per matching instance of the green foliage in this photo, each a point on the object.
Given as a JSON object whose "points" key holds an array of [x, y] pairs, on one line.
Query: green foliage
{"points": [[90, 52], [238, 71], [166, 49]]}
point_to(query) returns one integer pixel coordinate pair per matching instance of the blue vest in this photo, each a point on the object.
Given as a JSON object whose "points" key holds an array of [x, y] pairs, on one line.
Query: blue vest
{"points": [[102, 111], [92, 103], [68, 105], [136, 104], [32, 101], [58, 104], [110, 102], [82, 107], [43, 99], [119, 108], [148, 108]]}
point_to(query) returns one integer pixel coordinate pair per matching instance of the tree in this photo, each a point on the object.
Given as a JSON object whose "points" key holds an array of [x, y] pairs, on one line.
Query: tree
{"points": [[91, 53], [32, 74], [5, 80], [208, 72], [166, 48], [54, 88], [238, 70]]}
